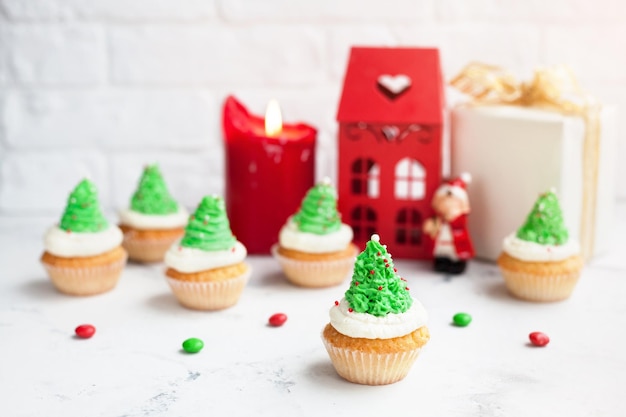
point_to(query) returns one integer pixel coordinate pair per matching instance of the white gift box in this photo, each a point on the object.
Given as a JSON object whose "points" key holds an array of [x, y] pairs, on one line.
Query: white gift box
{"points": [[515, 153]]}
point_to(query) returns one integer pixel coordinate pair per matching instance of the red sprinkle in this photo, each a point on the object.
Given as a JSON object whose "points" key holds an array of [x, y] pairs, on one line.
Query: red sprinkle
{"points": [[68, 231], [372, 272], [85, 331], [380, 288], [350, 310], [336, 302], [385, 260], [386, 265], [402, 279], [277, 319], [539, 339], [395, 269], [356, 283], [407, 288], [377, 253]]}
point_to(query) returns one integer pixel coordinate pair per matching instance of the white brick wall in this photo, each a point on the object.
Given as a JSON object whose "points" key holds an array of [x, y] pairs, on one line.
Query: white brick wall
{"points": [[102, 87], [48, 54]]}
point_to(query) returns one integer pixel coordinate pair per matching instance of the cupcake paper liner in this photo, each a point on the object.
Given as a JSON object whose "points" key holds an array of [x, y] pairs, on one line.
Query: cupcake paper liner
{"points": [[147, 250], [540, 288], [314, 274], [211, 295], [88, 280], [371, 368]]}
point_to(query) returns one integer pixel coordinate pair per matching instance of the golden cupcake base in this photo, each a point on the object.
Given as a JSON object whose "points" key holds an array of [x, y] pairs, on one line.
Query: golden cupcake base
{"points": [[148, 246], [373, 361], [540, 281], [209, 290], [315, 270], [85, 276]]}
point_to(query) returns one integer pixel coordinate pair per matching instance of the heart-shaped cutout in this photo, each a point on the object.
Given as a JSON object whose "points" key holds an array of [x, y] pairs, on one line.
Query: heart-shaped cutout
{"points": [[390, 132], [393, 86]]}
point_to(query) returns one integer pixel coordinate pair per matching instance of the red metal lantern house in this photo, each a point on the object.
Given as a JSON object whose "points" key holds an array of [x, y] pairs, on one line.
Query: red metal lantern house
{"points": [[390, 145]]}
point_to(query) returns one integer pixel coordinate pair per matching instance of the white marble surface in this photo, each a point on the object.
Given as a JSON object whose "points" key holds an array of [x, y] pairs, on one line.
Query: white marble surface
{"points": [[134, 366]]}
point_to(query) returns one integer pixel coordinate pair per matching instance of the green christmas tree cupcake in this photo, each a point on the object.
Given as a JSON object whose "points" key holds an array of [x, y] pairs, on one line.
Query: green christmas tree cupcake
{"points": [[83, 253], [540, 262], [154, 219], [206, 269], [314, 247], [377, 330]]}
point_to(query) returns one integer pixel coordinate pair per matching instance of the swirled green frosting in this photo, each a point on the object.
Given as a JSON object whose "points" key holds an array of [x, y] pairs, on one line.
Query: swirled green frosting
{"points": [[376, 288], [318, 212], [208, 228], [152, 196], [544, 224], [82, 213]]}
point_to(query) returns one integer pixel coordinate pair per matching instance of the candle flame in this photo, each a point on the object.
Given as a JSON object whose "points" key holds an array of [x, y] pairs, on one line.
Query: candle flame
{"points": [[273, 119]]}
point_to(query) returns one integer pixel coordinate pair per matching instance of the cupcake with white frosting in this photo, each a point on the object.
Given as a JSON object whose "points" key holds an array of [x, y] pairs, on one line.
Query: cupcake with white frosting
{"points": [[378, 329], [540, 262], [83, 253], [206, 268], [154, 219], [314, 247]]}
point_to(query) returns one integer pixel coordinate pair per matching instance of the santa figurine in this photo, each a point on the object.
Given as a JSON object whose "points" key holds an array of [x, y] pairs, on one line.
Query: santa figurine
{"points": [[452, 244]]}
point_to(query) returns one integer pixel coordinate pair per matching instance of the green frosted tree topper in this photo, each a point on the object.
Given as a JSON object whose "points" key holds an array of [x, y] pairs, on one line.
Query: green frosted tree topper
{"points": [[208, 228], [318, 212], [82, 213], [376, 288], [152, 196], [544, 224]]}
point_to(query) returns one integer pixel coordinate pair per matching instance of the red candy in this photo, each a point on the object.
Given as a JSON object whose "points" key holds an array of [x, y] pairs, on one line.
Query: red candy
{"points": [[539, 339], [85, 331], [278, 319]]}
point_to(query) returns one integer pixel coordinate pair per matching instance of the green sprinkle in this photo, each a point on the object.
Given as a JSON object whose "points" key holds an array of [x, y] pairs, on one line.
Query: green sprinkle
{"points": [[193, 345], [462, 319]]}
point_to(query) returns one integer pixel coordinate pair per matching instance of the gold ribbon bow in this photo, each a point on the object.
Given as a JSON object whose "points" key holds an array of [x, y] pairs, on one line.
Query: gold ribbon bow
{"points": [[553, 89]]}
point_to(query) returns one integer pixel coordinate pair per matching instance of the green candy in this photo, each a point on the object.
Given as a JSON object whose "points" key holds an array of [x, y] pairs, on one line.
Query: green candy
{"points": [[462, 319], [193, 345]]}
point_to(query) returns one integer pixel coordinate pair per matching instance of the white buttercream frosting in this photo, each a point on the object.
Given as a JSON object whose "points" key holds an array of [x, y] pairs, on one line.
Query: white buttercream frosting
{"points": [[291, 238], [188, 260], [535, 252], [73, 244], [143, 221], [368, 326]]}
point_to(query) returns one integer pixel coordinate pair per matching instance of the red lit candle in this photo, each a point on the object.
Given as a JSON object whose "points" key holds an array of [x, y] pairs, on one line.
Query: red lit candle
{"points": [[269, 168]]}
